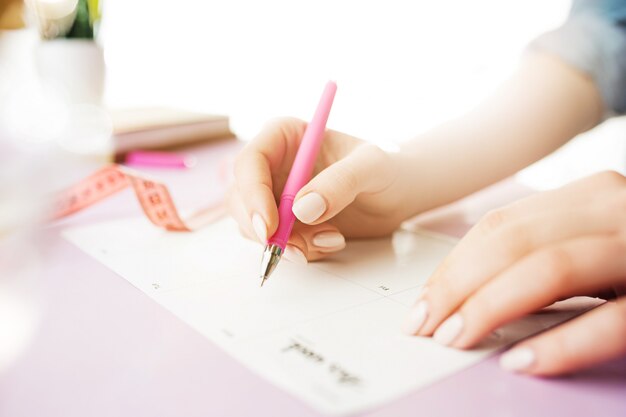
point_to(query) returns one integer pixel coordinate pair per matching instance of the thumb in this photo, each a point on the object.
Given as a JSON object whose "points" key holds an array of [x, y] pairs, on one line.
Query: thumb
{"points": [[366, 169]]}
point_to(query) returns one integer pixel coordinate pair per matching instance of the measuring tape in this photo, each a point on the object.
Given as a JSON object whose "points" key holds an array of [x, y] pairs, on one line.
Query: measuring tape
{"points": [[154, 198]]}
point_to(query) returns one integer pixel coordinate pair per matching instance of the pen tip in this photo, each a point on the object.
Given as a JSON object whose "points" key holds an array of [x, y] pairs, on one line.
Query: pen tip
{"points": [[263, 280]]}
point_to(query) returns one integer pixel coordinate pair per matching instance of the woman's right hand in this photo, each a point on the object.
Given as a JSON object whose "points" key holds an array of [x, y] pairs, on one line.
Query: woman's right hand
{"points": [[356, 190]]}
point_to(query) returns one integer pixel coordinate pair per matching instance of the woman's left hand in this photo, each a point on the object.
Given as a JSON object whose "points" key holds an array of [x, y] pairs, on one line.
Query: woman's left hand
{"points": [[518, 259]]}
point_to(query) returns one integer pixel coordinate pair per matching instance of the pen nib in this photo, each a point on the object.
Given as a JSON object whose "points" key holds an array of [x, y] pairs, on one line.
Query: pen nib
{"points": [[271, 256]]}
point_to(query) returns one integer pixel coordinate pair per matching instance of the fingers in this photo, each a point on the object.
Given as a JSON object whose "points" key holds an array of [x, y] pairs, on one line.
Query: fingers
{"points": [[239, 212], [573, 195], [481, 257], [505, 236], [575, 267], [597, 336], [306, 243], [254, 166], [367, 169], [311, 243]]}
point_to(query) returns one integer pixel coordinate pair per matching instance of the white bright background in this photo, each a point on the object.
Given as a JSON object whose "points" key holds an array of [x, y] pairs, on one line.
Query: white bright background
{"points": [[401, 66]]}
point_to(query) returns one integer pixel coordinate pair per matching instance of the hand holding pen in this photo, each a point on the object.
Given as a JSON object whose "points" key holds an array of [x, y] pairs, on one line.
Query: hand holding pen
{"points": [[343, 199], [299, 175]]}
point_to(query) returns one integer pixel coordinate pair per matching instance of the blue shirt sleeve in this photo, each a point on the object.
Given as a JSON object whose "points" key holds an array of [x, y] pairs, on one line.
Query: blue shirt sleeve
{"points": [[593, 39]]}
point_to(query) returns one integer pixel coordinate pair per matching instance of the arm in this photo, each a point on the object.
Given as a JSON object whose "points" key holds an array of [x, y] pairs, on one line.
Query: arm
{"points": [[542, 106], [569, 81], [552, 245], [360, 191]]}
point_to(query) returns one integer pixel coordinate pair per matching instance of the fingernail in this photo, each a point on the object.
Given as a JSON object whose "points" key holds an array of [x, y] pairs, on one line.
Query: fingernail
{"points": [[518, 359], [295, 255], [259, 227], [329, 240], [309, 208], [416, 318], [449, 330]]}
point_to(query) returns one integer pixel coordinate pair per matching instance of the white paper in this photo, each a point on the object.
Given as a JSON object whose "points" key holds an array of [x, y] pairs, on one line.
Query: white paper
{"points": [[327, 332]]}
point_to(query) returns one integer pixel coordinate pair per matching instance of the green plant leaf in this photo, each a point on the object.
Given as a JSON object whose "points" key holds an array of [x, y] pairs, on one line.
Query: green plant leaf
{"points": [[82, 28]]}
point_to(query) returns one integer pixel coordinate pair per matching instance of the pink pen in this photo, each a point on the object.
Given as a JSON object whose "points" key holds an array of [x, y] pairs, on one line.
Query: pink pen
{"points": [[300, 174], [152, 159]]}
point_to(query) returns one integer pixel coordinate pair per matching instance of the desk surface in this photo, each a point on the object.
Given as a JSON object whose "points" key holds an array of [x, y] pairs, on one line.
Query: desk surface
{"points": [[104, 348]]}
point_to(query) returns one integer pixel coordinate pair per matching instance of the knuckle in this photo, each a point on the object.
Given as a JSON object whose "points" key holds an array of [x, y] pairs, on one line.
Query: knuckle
{"points": [[346, 179], [557, 266], [441, 271], [442, 292], [375, 167], [493, 220], [511, 241], [350, 178]]}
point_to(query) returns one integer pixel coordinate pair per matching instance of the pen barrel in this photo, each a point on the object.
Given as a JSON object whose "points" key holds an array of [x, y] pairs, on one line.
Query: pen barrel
{"points": [[303, 164], [310, 145]]}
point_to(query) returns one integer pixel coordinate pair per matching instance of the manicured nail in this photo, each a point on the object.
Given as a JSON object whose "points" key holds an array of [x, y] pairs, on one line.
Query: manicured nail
{"points": [[329, 240], [309, 208], [518, 359], [449, 330], [259, 227], [416, 318], [295, 255]]}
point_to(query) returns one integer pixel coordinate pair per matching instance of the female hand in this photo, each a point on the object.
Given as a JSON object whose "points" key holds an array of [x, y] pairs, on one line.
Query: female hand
{"points": [[551, 246], [355, 191]]}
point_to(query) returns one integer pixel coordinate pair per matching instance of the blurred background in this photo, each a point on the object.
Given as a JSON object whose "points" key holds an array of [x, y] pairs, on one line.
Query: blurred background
{"points": [[401, 66]]}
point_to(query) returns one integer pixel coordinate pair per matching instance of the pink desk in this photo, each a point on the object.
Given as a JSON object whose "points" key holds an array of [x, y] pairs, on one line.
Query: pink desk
{"points": [[105, 349]]}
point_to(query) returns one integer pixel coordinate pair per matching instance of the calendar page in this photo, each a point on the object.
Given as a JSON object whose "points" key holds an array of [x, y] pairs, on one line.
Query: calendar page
{"points": [[327, 332]]}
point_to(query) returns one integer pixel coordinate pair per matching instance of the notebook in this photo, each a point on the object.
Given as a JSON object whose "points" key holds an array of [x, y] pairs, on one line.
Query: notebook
{"points": [[327, 332], [162, 127]]}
